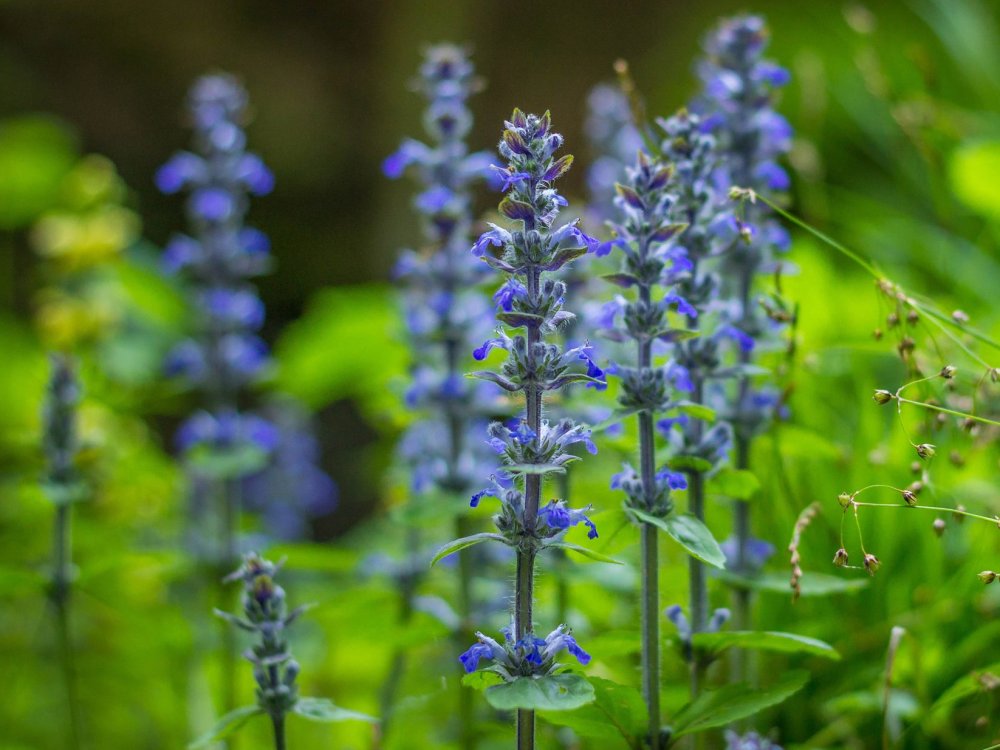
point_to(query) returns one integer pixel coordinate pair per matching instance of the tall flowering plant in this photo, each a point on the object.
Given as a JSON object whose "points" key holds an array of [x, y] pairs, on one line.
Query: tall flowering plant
{"points": [[654, 264], [531, 309], [221, 442], [446, 314], [739, 88]]}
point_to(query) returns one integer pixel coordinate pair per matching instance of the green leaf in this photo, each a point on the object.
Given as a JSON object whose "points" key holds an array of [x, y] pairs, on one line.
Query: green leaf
{"points": [[585, 551], [812, 584], [534, 469], [466, 541], [239, 460], [688, 532], [37, 152], [789, 643], [617, 713], [689, 463], [674, 335], [973, 168], [225, 726], [482, 679], [716, 708], [617, 416], [321, 709], [698, 411], [560, 692], [736, 484]]}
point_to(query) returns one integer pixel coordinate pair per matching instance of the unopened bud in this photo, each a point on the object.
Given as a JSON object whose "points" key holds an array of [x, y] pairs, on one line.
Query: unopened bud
{"points": [[995, 374], [988, 576], [916, 487], [916, 467], [959, 511], [960, 316], [925, 450], [892, 320], [939, 526], [877, 334], [882, 397], [968, 424], [871, 563], [948, 371], [956, 458], [912, 317], [844, 498], [840, 558], [909, 498], [906, 345]]}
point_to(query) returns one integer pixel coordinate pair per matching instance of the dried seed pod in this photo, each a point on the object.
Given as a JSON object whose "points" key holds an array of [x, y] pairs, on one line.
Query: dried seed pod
{"points": [[840, 558], [939, 526], [871, 563]]}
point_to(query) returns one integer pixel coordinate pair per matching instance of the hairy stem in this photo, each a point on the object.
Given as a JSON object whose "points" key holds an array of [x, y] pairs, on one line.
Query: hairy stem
{"points": [[278, 722]]}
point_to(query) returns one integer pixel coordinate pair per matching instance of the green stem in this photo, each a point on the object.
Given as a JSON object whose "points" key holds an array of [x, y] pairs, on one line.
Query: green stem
{"points": [[954, 413], [697, 580], [651, 632], [60, 593], [279, 732], [936, 509]]}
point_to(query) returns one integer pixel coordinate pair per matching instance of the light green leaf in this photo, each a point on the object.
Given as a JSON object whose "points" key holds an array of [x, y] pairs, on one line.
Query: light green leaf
{"points": [[812, 584], [688, 532], [788, 643], [698, 411], [736, 484], [321, 709], [536, 469], [973, 168], [619, 415], [585, 551], [716, 708], [618, 713], [560, 692], [689, 463], [466, 541], [482, 679], [225, 726]]}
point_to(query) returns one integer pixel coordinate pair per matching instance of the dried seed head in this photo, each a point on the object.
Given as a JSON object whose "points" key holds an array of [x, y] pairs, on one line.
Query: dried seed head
{"points": [[956, 458], [845, 498], [909, 498], [941, 419], [939, 526], [877, 334], [959, 316], [959, 510], [871, 563], [916, 487], [916, 467], [907, 345], [886, 287], [882, 397], [892, 320], [925, 450], [840, 558], [968, 424], [948, 371], [912, 317], [988, 576], [995, 374]]}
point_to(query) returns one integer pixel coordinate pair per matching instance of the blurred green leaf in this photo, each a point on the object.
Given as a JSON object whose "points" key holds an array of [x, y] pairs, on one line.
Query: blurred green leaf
{"points": [[466, 541], [343, 347], [559, 692], [812, 584], [36, 154], [225, 726], [973, 168], [321, 709], [585, 551], [735, 484], [789, 643], [716, 708]]}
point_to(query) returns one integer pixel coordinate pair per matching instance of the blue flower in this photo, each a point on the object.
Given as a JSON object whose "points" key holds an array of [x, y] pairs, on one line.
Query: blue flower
{"points": [[683, 306], [496, 237], [558, 516], [512, 289], [675, 480], [213, 204], [471, 658], [742, 338], [410, 152]]}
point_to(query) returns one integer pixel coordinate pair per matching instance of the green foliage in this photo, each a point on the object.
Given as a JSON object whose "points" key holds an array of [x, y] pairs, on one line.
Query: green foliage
{"points": [[226, 726], [617, 716], [690, 533], [558, 692], [36, 153]]}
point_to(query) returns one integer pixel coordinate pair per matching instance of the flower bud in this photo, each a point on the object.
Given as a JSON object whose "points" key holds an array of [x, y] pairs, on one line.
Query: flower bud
{"points": [[912, 317], [909, 498], [916, 467], [956, 458], [939, 526], [871, 563], [845, 498], [877, 334], [882, 397], [948, 371], [892, 320], [906, 345], [995, 374], [925, 450], [916, 487], [959, 510], [840, 558], [960, 316], [988, 576]]}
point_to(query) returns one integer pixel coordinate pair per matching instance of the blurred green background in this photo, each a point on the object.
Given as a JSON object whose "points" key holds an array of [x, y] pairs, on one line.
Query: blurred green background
{"points": [[897, 151]]}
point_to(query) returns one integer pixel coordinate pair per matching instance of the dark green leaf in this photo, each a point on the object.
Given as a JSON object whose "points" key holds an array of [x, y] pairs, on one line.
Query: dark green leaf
{"points": [[689, 463], [320, 709], [460, 544], [560, 692], [698, 411], [621, 279], [482, 679], [716, 708], [618, 713], [225, 726]]}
